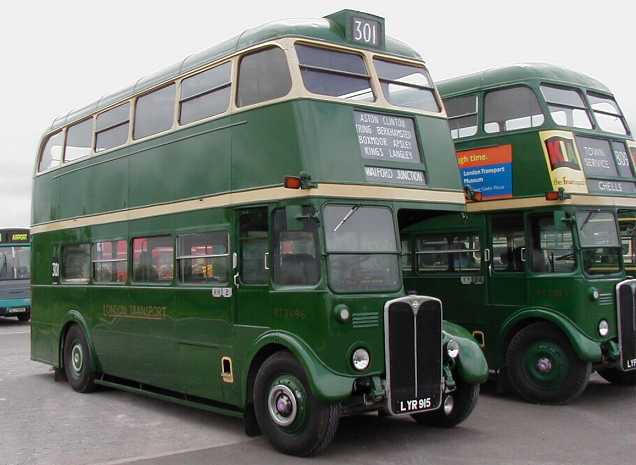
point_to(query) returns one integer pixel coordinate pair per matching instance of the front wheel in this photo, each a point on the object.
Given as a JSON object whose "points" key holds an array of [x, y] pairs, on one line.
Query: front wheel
{"points": [[616, 376], [542, 366], [78, 362], [457, 406], [294, 421]]}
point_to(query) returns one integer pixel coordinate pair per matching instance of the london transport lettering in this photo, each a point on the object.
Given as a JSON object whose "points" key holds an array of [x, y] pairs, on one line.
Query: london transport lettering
{"points": [[487, 170]]}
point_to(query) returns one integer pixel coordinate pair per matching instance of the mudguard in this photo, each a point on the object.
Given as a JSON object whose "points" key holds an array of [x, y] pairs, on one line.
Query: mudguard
{"points": [[73, 316], [471, 366], [324, 383], [587, 349]]}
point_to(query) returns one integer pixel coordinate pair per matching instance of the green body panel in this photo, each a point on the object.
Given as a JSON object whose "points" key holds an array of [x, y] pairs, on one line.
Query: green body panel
{"points": [[499, 304], [221, 156]]}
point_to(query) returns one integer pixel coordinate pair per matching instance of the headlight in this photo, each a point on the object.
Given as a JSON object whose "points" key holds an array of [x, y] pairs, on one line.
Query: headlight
{"points": [[603, 328], [452, 349], [360, 359]]}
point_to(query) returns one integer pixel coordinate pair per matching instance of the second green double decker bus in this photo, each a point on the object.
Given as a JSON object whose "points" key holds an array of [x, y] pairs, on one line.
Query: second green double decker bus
{"points": [[535, 268], [224, 234]]}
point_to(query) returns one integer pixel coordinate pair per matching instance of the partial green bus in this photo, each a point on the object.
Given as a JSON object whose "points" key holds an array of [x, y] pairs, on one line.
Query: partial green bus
{"points": [[535, 268], [225, 234], [15, 273]]}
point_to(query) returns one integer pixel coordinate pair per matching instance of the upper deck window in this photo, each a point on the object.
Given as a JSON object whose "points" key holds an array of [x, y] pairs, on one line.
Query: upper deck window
{"points": [[154, 112], [462, 115], [334, 73], [51, 156], [111, 128], [406, 85], [205, 94], [263, 75], [511, 109], [78, 140], [607, 114], [567, 107]]}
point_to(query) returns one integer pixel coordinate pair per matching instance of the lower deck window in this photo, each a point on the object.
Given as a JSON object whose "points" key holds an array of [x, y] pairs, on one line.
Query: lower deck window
{"points": [[110, 262], [153, 259], [455, 253], [203, 258]]}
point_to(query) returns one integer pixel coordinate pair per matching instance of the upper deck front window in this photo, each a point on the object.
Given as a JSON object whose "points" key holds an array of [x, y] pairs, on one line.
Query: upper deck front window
{"points": [[566, 107], [263, 75], [607, 114], [334, 73], [511, 109], [406, 85], [462, 115]]}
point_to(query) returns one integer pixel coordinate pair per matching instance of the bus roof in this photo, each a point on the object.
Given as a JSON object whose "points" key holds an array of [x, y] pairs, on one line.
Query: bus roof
{"points": [[328, 29], [515, 74]]}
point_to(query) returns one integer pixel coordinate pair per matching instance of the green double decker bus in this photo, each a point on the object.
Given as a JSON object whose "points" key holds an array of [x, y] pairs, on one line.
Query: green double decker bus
{"points": [[225, 234], [540, 267], [15, 273]]}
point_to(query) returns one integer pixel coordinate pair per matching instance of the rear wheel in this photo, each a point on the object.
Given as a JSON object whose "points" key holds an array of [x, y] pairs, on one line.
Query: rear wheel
{"points": [[542, 366], [457, 406], [294, 421], [616, 376], [78, 362], [24, 317]]}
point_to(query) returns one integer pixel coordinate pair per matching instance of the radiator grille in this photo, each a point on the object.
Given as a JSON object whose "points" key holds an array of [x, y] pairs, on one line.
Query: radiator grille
{"points": [[626, 299], [413, 337]]}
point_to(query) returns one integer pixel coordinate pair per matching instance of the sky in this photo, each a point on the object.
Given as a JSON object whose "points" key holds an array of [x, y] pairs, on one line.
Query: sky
{"points": [[58, 56]]}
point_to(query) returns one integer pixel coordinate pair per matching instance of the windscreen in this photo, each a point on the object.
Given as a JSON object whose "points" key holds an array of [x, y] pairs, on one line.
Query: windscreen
{"points": [[598, 236], [15, 263], [362, 247]]}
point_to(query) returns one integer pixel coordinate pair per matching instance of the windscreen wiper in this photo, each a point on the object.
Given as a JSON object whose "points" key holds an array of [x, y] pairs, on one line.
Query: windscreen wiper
{"points": [[346, 217]]}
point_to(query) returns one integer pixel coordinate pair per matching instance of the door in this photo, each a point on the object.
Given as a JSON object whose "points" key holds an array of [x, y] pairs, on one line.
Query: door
{"points": [[506, 260], [252, 276]]}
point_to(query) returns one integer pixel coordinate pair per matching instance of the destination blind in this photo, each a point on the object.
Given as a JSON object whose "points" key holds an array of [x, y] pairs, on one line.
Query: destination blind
{"points": [[386, 137], [602, 159], [14, 236]]}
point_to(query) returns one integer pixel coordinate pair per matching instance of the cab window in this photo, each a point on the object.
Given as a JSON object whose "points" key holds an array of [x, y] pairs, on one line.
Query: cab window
{"points": [[295, 255], [552, 248], [511, 109]]}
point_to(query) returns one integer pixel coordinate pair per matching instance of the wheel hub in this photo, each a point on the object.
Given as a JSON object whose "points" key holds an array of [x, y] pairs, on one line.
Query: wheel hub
{"points": [[283, 406], [544, 365], [77, 358]]}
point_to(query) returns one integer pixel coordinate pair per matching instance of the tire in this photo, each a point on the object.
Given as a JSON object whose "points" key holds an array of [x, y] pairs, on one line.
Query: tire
{"points": [[465, 399], [294, 421], [24, 317], [543, 368], [616, 376], [78, 361]]}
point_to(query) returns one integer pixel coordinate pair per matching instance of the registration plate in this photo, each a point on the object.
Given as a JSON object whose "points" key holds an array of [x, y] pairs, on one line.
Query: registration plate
{"points": [[414, 405], [16, 310]]}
